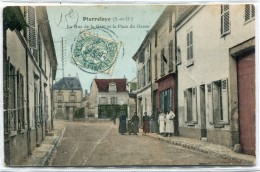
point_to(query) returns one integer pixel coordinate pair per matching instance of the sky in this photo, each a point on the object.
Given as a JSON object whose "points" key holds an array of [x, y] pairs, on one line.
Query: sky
{"points": [[127, 24]]}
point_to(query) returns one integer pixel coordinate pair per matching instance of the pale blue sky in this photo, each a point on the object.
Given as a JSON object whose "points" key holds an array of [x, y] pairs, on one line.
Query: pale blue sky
{"points": [[131, 38]]}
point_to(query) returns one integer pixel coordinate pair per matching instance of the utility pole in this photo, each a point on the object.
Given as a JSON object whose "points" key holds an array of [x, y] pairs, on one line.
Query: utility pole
{"points": [[63, 54]]}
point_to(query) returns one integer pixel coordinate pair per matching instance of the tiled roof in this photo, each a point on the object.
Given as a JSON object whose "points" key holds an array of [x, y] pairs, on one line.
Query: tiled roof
{"points": [[103, 84], [68, 83]]}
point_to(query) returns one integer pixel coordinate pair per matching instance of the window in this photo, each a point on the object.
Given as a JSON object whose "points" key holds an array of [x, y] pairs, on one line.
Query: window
{"points": [[138, 79], [178, 55], [148, 70], [170, 22], [103, 100], [155, 67], [112, 87], [171, 56], [225, 24], [72, 98], [20, 101], [59, 109], [166, 100], [113, 100], [143, 75], [12, 99], [163, 60], [32, 28], [190, 106], [249, 12], [59, 98], [217, 103], [189, 45], [141, 56], [156, 37]]}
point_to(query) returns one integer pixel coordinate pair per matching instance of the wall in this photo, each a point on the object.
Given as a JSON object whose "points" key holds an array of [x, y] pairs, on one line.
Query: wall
{"points": [[211, 62]]}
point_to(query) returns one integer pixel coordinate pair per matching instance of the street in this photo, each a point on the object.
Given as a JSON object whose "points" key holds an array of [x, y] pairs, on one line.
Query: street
{"points": [[100, 144]]}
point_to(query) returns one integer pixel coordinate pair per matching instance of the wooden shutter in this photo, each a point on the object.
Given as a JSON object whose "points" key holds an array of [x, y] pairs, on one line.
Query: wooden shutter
{"points": [[194, 105], [209, 109], [247, 12], [185, 106], [31, 21], [224, 91]]}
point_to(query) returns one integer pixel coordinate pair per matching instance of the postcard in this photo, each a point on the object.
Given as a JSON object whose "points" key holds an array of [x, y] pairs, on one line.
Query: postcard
{"points": [[129, 85]]}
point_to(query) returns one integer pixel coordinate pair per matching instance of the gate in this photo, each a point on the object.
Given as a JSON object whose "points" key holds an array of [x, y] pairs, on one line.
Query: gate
{"points": [[107, 111], [246, 102]]}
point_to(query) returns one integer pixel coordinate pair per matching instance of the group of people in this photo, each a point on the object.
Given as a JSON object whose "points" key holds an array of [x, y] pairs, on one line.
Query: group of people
{"points": [[161, 122]]}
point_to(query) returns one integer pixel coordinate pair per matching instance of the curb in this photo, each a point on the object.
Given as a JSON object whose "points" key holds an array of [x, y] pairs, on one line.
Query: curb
{"points": [[51, 150], [206, 151]]}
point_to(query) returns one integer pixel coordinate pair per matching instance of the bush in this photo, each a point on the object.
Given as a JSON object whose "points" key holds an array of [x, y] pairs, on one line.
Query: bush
{"points": [[79, 113]]}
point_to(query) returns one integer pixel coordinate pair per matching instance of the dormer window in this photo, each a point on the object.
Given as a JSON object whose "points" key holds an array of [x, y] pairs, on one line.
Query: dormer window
{"points": [[112, 87]]}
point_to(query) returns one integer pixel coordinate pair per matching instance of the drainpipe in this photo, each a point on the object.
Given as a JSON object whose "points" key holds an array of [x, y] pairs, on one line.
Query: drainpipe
{"points": [[176, 119], [27, 105]]}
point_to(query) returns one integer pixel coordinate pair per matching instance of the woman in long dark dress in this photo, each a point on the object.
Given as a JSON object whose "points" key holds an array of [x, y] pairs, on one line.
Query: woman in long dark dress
{"points": [[146, 125], [122, 124]]}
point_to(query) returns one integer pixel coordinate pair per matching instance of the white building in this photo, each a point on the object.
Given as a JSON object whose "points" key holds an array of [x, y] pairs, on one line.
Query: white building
{"points": [[213, 42], [108, 97]]}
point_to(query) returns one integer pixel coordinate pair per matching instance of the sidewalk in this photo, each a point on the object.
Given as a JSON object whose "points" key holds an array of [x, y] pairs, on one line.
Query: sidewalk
{"points": [[40, 155], [205, 147]]}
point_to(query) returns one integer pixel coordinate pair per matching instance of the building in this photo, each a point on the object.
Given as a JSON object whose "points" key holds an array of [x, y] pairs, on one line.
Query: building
{"points": [[29, 68], [131, 88], [108, 97], [68, 95], [156, 66], [216, 74]]}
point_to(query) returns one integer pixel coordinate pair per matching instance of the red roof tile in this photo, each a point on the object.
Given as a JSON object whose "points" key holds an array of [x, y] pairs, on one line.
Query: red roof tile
{"points": [[103, 84]]}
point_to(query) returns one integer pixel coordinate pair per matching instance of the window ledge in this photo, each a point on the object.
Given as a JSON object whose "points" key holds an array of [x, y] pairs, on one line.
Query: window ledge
{"points": [[218, 126], [190, 62], [13, 133], [249, 20], [225, 34], [178, 63], [192, 124]]}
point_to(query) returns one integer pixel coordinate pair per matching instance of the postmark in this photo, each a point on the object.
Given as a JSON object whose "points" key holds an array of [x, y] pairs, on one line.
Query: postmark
{"points": [[95, 53]]}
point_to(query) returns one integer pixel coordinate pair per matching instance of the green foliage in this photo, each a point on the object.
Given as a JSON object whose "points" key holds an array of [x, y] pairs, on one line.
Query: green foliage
{"points": [[79, 113], [110, 111]]}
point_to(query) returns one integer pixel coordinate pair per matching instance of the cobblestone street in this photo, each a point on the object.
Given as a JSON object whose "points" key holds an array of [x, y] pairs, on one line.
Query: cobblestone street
{"points": [[98, 143]]}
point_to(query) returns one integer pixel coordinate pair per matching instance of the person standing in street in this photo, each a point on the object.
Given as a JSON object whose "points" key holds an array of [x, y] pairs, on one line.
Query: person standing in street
{"points": [[146, 123], [122, 124], [169, 128], [135, 121], [161, 122]]}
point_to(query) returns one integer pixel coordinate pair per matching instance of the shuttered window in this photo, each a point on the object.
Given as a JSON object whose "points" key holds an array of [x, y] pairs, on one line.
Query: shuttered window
{"points": [[162, 62], [171, 56], [148, 70], [31, 21], [225, 21], [249, 12], [217, 103], [189, 45], [190, 106], [155, 64]]}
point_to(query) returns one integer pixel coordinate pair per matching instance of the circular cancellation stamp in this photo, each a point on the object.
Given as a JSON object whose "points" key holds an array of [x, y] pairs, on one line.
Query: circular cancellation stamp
{"points": [[95, 53]]}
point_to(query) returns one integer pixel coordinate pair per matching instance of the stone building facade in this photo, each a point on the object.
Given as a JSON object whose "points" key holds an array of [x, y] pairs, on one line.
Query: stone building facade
{"points": [[109, 94], [202, 67], [215, 63], [155, 60], [67, 97], [29, 68]]}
